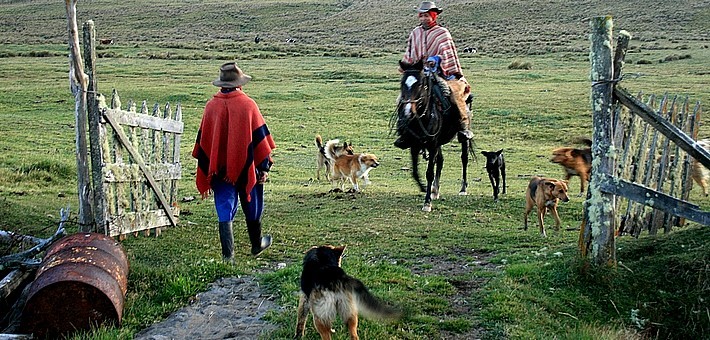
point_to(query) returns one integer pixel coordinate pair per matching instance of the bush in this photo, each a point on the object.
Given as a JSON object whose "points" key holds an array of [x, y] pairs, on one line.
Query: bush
{"points": [[519, 65]]}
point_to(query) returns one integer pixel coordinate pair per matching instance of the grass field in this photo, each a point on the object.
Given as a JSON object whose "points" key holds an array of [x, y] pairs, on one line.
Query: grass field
{"points": [[464, 270]]}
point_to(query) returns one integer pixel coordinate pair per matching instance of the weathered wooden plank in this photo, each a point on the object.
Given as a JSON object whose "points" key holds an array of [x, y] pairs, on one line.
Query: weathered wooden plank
{"points": [[78, 84], [654, 199], [12, 281], [676, 135], [146, 121], [134, 222], [114, 173], [176, 154], [94, 116], [122, 136]]}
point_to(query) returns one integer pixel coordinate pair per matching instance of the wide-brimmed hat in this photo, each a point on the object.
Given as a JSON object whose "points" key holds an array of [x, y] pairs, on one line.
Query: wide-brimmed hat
{"points": [[230, 75], [427, 6]]}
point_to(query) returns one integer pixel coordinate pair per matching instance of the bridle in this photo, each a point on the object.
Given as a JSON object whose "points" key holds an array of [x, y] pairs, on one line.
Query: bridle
{"points": [[420, 99]]}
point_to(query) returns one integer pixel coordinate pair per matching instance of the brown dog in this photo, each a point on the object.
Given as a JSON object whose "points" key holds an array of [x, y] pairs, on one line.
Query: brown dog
{"points": [[698, 171], [350, 167], [576, 162], [545, 193], [322, 162]]}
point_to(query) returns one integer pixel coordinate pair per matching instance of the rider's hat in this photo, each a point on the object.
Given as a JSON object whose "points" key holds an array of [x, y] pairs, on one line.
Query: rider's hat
{"points": [[427, 6]]}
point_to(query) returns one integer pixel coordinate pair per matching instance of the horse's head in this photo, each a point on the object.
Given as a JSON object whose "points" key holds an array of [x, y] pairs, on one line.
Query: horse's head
{"points": [[412, 87]]}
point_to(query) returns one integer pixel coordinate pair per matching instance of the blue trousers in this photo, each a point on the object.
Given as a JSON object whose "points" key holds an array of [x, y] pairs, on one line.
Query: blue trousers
{"points": [[227, 198]]}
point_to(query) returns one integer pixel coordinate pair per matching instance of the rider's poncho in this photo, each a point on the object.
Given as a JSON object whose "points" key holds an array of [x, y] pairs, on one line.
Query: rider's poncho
{"points": [[437, 40]]}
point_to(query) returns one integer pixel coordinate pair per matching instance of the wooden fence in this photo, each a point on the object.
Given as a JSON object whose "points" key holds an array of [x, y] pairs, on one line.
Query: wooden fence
{"points": [[135, 159], [644, 168]]}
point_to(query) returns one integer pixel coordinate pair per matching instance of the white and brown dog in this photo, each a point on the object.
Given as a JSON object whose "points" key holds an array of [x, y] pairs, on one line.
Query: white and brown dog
{"points": [[322, 162], [350, 167]]}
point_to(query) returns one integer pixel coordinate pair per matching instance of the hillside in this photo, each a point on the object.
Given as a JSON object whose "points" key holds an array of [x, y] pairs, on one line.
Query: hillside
{"points": [[491, 26]]}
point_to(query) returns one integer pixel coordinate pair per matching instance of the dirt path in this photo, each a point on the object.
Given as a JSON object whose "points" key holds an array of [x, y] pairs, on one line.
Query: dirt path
{"points": [[232, 308]]}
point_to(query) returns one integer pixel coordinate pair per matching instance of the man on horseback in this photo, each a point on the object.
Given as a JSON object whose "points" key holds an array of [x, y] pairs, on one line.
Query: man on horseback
{"points": [[433, 44]]}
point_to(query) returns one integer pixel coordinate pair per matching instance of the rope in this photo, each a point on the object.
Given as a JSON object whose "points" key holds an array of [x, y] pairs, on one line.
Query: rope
{"points": [[615, 81]]}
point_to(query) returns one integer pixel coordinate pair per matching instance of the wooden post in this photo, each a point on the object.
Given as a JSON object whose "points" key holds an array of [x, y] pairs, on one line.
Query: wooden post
{"points": [[78, 83], [600, 206], [94, 114]]}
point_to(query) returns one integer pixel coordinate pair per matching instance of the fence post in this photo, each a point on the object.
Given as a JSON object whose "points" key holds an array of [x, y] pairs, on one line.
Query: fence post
{"points": [[94, 114], [600, 206], [77, 79]]}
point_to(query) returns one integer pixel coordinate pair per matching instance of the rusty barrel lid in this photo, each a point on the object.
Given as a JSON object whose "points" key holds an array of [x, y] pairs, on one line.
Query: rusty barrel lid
{"points": [[97, 240], [80, 284]]}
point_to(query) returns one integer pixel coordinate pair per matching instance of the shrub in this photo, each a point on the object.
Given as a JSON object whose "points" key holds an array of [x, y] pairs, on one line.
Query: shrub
{"points": [[519, 65]]}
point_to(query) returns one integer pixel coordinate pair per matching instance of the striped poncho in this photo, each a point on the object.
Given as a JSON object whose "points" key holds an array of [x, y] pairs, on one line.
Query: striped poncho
{"points": [[423, 43]]}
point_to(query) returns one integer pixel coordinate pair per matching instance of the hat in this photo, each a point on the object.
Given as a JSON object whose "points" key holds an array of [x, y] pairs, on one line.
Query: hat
{"points": [[231, 76], [427, 6]]}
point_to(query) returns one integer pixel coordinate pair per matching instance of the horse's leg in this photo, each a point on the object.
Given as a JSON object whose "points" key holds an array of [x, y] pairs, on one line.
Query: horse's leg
{"points": [[414, 151], [464, 167], [433, 155], [437, 175]]}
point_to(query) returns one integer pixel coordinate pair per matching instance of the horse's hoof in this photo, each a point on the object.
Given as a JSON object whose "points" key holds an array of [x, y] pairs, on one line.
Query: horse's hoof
{"points": [[426, 208], [463, 193]]}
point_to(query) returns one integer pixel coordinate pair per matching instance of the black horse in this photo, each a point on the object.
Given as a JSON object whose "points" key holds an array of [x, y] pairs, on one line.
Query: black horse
{"points": [[426, 120]]}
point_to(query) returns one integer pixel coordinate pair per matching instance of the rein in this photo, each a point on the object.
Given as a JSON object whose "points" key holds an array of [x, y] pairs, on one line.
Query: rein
{"points": [[424, 97]]}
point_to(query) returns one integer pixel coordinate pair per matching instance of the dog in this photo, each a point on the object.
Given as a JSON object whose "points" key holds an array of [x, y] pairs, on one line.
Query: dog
{"points": [[327, 292], [322, 162], [576, 162], [350, 167], [698, 171], [545, 193], [495, 166]]}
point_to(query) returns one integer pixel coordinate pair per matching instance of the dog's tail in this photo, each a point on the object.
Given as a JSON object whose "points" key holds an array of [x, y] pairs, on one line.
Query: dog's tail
{"points": [[583, 140], [369, 305], [329, 149], [319, 144]]}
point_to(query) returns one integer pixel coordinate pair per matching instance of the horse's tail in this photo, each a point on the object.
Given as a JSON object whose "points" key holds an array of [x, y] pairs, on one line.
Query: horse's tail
{"points": [[329, 149], [471, 148]]}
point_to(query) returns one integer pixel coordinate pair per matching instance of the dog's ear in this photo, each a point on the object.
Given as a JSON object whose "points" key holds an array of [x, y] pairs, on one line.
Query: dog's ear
{"points": [[345, 144], [499, 152], [340, 250], [549, 184]]}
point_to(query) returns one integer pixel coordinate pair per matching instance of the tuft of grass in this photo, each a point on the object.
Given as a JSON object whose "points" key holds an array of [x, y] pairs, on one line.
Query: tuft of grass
{"points": [[520, 65]]}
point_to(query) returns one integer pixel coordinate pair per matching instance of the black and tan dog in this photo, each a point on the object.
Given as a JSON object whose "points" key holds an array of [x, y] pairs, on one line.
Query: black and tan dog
{"points": [[349, 167], [322, 162], [576, 162], [495, 166], [545, 193], [327, 292]]}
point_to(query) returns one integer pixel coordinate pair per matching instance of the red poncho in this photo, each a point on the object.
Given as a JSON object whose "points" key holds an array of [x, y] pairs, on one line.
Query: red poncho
{"points": [[232, 139]]}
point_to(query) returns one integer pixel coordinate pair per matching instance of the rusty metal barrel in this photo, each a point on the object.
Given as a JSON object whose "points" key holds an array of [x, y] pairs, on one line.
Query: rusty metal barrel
{"points": [[80, 284]]}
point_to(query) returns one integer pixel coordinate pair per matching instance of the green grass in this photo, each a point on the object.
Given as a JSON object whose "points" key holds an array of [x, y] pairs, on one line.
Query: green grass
{"points": [[427, 263]]}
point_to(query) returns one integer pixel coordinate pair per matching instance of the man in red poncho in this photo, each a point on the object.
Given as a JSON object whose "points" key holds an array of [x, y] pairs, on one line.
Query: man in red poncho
{"points": [[233, 151], [433, 44]]}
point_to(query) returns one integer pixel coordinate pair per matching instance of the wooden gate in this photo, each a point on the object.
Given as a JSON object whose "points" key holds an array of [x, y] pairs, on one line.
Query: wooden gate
{"points": [[135, 159], [654, 178]]}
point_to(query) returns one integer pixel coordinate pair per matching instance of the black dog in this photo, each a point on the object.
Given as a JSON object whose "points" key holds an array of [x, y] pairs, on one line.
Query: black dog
{"points": [[495, 165]]}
